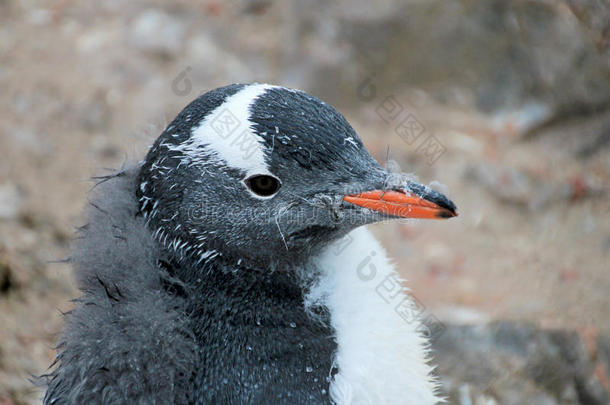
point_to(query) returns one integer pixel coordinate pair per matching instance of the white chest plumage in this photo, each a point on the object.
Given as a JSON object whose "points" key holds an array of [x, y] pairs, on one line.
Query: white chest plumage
{"points": [[382, 357]]}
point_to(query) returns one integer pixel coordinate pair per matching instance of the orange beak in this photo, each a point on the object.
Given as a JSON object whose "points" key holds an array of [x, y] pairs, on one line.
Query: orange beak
{"points": [[404, 205]]}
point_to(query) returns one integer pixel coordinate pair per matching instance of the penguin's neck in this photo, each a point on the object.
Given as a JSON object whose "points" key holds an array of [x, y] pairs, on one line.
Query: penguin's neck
{"points": [[382, 355], [258, 342], [255, 329]]}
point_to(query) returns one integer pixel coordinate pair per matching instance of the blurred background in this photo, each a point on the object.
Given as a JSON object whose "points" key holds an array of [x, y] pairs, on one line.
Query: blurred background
{"points": [[503, 104]]}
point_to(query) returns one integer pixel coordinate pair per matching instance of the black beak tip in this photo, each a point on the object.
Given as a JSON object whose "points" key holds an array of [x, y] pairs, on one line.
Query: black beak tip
{"points": [[437, 198], [446, 214], [447, 204]]}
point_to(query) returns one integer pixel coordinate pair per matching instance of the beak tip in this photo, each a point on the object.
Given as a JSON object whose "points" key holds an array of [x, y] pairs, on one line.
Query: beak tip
{"points": [[443, 202], [444, 214]]}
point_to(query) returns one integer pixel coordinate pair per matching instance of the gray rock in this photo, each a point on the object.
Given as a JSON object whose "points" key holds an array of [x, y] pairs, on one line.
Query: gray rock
{"points": [[499, 54], [516, 363]]}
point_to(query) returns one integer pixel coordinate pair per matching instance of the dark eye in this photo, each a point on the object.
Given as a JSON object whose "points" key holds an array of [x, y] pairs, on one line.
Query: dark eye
{"points": [[263, 185]]}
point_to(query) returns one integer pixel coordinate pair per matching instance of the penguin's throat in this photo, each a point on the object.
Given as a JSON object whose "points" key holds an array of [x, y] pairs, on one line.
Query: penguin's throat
{"points": [[188, 252], [256, 321], [215, 274]]}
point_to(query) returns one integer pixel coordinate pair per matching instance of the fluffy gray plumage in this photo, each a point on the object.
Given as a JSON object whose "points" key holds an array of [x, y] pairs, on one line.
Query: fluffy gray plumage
{"points": [[124, 342]]}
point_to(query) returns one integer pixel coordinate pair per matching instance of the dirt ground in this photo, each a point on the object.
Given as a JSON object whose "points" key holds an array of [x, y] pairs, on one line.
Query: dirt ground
{"points": [[80, 92]]}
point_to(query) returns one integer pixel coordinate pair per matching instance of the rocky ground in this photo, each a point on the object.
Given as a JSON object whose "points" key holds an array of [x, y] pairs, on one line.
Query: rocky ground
{"points": [[519, 363], [517, 285]]}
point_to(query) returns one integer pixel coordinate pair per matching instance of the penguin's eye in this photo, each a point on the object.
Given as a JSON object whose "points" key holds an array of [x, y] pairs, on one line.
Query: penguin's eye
{"points": [[263, 185]]}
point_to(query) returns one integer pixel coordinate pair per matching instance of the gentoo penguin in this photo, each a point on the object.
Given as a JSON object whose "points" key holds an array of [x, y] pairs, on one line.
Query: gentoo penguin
{"points": [[231, 266]]}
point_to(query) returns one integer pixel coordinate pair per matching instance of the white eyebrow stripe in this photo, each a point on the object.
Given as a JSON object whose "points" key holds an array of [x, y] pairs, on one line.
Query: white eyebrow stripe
{"points": [[226, 134]]}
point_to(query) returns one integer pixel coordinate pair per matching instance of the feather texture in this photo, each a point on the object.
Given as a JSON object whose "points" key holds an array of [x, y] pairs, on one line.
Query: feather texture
{"points": [[382, 356], [125, 341]]}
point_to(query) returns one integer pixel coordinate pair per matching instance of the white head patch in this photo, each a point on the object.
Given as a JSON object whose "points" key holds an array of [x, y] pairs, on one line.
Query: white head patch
{"points": [[226, 134]]}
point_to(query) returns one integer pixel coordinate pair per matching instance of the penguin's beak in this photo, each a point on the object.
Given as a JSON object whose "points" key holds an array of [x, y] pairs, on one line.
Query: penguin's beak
{"points": [[414, 201]]}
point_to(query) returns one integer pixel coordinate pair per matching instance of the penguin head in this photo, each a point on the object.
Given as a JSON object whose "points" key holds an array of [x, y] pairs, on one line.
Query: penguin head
{"points": [[260, 174]]}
